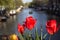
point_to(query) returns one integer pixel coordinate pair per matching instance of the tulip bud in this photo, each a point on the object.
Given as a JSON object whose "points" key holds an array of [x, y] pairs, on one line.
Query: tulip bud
{"points": [[30, 22], [21, 28], [51, 27], [13, 37]]}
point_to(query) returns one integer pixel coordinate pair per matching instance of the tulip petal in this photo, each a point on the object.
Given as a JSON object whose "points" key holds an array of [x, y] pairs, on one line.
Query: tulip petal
{"points": [[51, 27], [30, 22], [20, 28]]}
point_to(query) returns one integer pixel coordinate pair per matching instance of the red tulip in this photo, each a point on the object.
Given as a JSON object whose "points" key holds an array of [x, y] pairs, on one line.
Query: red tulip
{"points": [[20, 28], [59, 25], [30, 22], [51, 27]]}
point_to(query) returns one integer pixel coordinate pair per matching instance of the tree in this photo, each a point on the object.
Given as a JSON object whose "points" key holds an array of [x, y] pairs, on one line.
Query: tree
{"points": [[18, 3], [11, 4], [38, 3], [7, 3]]}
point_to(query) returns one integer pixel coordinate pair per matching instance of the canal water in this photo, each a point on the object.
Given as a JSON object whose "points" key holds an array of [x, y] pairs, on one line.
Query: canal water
{"points": [[40, 16], [10, 26]]}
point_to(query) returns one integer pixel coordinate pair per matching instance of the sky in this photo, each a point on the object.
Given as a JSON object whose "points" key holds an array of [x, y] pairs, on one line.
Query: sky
{"points": [[25, 1]]}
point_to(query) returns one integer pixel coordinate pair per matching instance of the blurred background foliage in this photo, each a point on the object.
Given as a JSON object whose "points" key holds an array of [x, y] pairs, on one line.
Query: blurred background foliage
{"points": [[11, 4]]}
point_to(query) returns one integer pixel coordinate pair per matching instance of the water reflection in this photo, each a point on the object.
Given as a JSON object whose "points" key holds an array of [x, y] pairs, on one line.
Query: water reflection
{"points": [[8, 27]]}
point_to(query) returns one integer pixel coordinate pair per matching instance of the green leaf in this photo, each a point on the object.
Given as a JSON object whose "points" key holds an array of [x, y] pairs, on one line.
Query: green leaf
{"points": [[21, 37], [44, 36], [37, 36]]}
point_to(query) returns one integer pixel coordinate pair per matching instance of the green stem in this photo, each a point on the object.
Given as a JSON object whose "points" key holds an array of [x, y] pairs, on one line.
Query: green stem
{"points": [[30, 35], [44, 36], [41, 33], [21, 37], [50, 37]]}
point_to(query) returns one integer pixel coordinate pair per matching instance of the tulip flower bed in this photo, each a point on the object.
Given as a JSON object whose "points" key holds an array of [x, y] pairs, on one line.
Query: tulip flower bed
{"points": [[51, 27]]}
